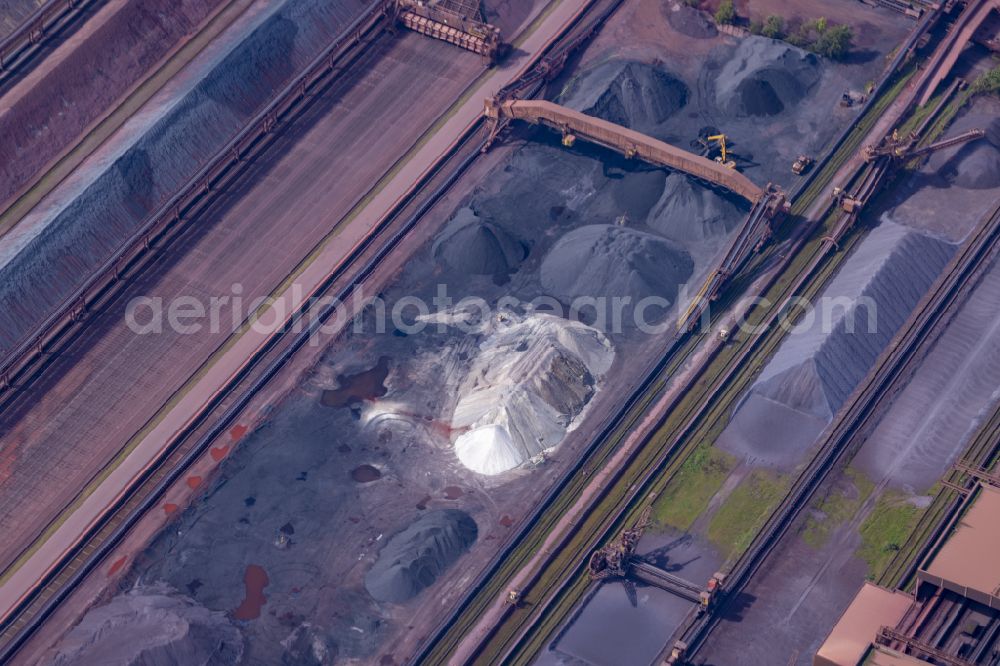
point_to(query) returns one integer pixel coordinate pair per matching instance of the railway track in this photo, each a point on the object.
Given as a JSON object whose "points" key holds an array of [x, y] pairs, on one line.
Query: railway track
{"points": [[31, 355], [868, 402], [198, 437], [490, 586], [697, 402], [45, 26], [191, 443], [61, 582], [869, 177]]}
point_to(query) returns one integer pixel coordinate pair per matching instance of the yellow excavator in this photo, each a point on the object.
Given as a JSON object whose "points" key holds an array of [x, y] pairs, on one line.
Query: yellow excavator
{"points": [[723, 157]]}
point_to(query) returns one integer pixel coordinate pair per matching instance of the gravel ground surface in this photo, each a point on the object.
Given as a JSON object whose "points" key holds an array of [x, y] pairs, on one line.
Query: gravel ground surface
{"points": [[107, 385]]}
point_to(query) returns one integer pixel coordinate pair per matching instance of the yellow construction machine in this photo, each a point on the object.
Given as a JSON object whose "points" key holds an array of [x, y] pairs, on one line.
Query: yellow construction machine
{"points": [[723, 158]]}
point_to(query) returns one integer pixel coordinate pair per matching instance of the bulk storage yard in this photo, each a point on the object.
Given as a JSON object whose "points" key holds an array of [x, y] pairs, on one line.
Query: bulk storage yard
{"points": [[373, 498], [531, 220]]}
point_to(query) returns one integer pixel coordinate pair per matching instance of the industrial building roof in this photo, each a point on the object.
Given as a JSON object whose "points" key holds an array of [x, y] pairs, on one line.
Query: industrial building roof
{"points": [[967, 562], [848, 642]]}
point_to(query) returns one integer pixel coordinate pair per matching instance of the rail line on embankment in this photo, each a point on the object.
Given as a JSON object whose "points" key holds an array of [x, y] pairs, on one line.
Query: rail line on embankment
{"points": [[226, 404]]}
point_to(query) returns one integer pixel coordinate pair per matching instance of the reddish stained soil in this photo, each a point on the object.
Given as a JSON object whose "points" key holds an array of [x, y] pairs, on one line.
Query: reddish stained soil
{"points": [[444, 429], [237, 431], [452, 492], [506, 521], [117, 565], [366, 385], [193, 481], [170, 508], [219, 452], [49, 109], [255, 580]]}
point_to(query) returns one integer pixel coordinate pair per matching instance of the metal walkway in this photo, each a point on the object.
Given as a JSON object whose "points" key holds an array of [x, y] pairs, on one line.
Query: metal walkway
{"points": [[657, 577], [626, 141]]}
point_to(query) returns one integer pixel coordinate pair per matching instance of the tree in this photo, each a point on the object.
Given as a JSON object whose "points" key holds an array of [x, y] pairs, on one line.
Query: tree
{"points": [[726, 13], [834, 42], [774, 27], [988, 82]]}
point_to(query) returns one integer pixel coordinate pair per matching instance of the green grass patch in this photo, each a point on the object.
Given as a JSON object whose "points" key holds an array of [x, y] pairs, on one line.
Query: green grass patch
{"points": [[691, 489], [885, 530], [745, 511], [836, 508]]}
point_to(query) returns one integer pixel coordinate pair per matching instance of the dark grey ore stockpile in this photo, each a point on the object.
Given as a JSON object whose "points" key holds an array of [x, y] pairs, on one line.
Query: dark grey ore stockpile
{"points": [[40, 268], [414, 558], [823, 360]]}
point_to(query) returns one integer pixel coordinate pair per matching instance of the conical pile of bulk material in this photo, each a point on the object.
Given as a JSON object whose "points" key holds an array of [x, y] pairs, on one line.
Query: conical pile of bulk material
{"points": [[689, 214], [628, 93], [413, 559], [477, 247], [608, 260], [976, 166], [531, 380], [150, 626], [764, 77], [824, 359]]}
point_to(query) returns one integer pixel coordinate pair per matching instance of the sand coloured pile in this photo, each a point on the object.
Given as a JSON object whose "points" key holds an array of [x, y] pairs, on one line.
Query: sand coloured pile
{"points": [[764, 77], [412, 559], [477, 247], [629, 93], [151, 626], [531, 380], [609, 260]]}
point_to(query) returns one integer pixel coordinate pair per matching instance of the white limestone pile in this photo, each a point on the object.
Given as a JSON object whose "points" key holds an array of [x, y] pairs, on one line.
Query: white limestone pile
{"points": [[530, 382]]}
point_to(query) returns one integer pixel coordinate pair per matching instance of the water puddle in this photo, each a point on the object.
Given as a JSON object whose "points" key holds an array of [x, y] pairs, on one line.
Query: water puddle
{"points": [[254, 580], [366, 473], [365, 385]]}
